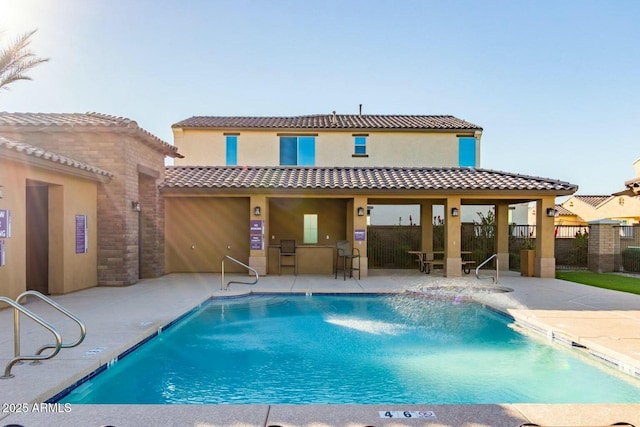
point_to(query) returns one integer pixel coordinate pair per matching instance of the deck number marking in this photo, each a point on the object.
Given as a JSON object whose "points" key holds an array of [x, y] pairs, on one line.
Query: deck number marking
{"points": [[424, 415]]}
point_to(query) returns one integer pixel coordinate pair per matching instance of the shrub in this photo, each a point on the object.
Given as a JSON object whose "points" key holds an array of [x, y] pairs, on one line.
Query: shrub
{"points": [[631, 259]]}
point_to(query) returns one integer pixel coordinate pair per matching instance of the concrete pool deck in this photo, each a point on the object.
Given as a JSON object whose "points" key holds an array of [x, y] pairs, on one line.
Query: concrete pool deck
{"points": [[606, 323]]}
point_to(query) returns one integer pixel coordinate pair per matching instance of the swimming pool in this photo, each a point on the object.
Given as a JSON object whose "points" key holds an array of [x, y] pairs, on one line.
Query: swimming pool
{"points": [[350, 349]]}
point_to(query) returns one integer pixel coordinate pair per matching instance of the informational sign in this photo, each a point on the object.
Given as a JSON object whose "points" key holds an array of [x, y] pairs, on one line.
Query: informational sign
{"points": [[5, 223], [81, 234], [2, 253], [256, 231], [421, 415], [360, 235], [257, 243], [256, 226]]}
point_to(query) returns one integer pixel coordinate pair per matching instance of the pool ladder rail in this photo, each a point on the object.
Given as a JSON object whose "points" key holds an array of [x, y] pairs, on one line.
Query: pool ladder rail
{"points": [[494, 279], [223, 286], [35, 358]]}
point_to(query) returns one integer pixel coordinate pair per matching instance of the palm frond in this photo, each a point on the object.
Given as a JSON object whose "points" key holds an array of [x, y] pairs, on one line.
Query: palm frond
{"points": [[16, 59]]}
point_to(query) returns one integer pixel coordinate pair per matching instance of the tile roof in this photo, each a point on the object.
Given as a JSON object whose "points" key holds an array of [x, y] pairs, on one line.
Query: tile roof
{"points": [[32, 152], [329, 121], [365, 178], [562, 211], [86, 121], [594, 201]]}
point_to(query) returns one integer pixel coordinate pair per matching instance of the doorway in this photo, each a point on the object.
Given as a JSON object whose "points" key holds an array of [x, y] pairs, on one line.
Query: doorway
{"points": [[37, 236]]}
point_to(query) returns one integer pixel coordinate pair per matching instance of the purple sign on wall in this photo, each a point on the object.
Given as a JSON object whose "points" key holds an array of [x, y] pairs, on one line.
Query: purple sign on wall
{"points": [[5, 223], [256, 226], [257, 243], [360, 235], [81, 234]]}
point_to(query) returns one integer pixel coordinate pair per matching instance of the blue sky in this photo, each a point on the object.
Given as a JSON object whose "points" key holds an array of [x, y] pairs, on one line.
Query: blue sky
{"points": [[554, 84]]}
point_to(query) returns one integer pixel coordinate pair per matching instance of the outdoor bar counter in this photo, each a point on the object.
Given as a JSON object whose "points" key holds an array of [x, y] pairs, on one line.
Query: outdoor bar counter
{"points": [[311, 259]]}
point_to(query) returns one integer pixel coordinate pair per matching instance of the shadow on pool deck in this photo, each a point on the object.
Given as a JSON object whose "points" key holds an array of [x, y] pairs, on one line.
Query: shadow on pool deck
{"points": [[607, 322]]}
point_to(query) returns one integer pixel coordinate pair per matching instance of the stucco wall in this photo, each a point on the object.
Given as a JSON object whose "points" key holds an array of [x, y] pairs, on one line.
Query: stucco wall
{"points": [[68, 196], [201, 231], [333, 148]]}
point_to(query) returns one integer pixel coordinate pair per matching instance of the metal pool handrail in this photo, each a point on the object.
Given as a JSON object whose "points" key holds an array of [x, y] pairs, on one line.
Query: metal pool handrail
{"points": [[61, 309], [495, 279], [20, 309], [224, 287]]}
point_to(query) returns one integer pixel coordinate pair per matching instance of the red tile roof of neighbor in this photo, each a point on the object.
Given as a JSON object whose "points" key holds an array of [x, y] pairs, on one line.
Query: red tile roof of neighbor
{"points": [[86, 121], [367, 178], [21, 149], [330, 121]]}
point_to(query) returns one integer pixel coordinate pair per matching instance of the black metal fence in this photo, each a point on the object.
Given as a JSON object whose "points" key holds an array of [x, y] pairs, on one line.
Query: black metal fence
{"points": [[388, 245]]}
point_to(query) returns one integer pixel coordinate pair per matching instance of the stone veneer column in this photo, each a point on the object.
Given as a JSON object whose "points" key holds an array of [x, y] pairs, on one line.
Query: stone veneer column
{"points": [[602, 245], [453, 238]]}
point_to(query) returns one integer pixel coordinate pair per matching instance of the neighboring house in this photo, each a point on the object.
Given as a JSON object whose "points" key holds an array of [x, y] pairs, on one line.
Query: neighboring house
{"points": [[633, 185], [246, 183], [62, 172], [580, 210], [329, 140]]}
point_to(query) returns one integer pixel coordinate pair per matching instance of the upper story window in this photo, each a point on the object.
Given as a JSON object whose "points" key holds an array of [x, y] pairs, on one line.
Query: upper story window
{"points": [[231, 150], [297, 150], [467, 151], [360, 145]]}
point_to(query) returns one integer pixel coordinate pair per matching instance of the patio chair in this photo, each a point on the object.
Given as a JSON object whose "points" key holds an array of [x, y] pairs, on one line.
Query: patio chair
{"points": [[347, 255], [288, 251]]}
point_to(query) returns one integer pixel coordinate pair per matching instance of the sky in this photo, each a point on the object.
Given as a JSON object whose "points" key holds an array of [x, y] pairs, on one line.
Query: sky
{"points": [[555, 85]]}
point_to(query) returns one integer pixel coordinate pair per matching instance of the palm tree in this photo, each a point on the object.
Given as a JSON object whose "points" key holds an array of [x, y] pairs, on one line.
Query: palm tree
{"points": [[16, 59]]}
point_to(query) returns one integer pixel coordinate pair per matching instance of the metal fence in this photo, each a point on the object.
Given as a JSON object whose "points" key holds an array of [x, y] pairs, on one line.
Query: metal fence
{"points": [[388, 245]]}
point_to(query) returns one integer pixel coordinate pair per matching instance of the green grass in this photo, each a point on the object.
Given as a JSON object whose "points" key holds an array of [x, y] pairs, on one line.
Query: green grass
{"points": [[611, 281]]}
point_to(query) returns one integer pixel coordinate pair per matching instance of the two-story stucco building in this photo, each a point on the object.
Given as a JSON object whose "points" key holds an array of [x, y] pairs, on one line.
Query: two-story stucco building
{"points": [[247, 183]]}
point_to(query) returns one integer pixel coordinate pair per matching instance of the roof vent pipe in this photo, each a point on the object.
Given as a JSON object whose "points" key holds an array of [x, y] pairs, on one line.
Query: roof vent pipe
{"points": [[360, 110], [334, 118]]}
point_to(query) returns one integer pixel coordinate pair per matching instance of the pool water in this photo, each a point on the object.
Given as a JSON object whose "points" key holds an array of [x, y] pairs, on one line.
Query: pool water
{"points": [[350, 349]]}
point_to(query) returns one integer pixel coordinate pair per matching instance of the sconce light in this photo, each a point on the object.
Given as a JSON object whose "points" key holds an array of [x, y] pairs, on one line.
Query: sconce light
{"points": [[454, 212], [257, 211], [135, 206], [360, 211], [1, 191], [551, 212]]}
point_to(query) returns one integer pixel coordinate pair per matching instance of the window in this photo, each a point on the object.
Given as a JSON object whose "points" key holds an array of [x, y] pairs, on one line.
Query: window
{"points": [[467, 151], [360, 145], [298, 150], [232, 150], [310, 229]]}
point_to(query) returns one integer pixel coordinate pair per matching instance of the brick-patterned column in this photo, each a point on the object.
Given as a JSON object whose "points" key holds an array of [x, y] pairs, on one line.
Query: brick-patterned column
{"points": [[602, 245]]}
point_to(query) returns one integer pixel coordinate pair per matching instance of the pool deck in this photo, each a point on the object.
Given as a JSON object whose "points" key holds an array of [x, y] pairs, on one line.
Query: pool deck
{"points": [[606, 323]]}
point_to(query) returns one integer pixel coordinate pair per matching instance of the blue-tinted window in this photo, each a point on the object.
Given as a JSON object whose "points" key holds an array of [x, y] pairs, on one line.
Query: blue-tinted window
{"points": [[232, 150], [306, 151], [297, 150], [360, 145], [288, 150], [467, 151]]}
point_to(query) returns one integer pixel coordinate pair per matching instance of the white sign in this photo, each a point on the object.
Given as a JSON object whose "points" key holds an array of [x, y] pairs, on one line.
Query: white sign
{"points": [[423, 415]]}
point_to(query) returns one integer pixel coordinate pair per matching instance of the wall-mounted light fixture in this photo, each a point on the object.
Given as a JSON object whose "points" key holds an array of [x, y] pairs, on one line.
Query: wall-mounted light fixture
{"points": [[455, 212], [360, 211], [135, 206], [257, 211], [1, 191], [551, 212]]}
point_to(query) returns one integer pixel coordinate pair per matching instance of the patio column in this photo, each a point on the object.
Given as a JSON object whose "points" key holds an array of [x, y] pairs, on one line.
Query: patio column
{"points": [[545, 264], [426, 224], [359, 236], [452, 237], [502, 235], [258, 244]]}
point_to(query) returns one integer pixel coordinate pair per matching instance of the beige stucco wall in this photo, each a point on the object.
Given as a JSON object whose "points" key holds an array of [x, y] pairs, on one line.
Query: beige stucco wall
{"points": [[200, 231], [68, 196], [333, 148]]}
